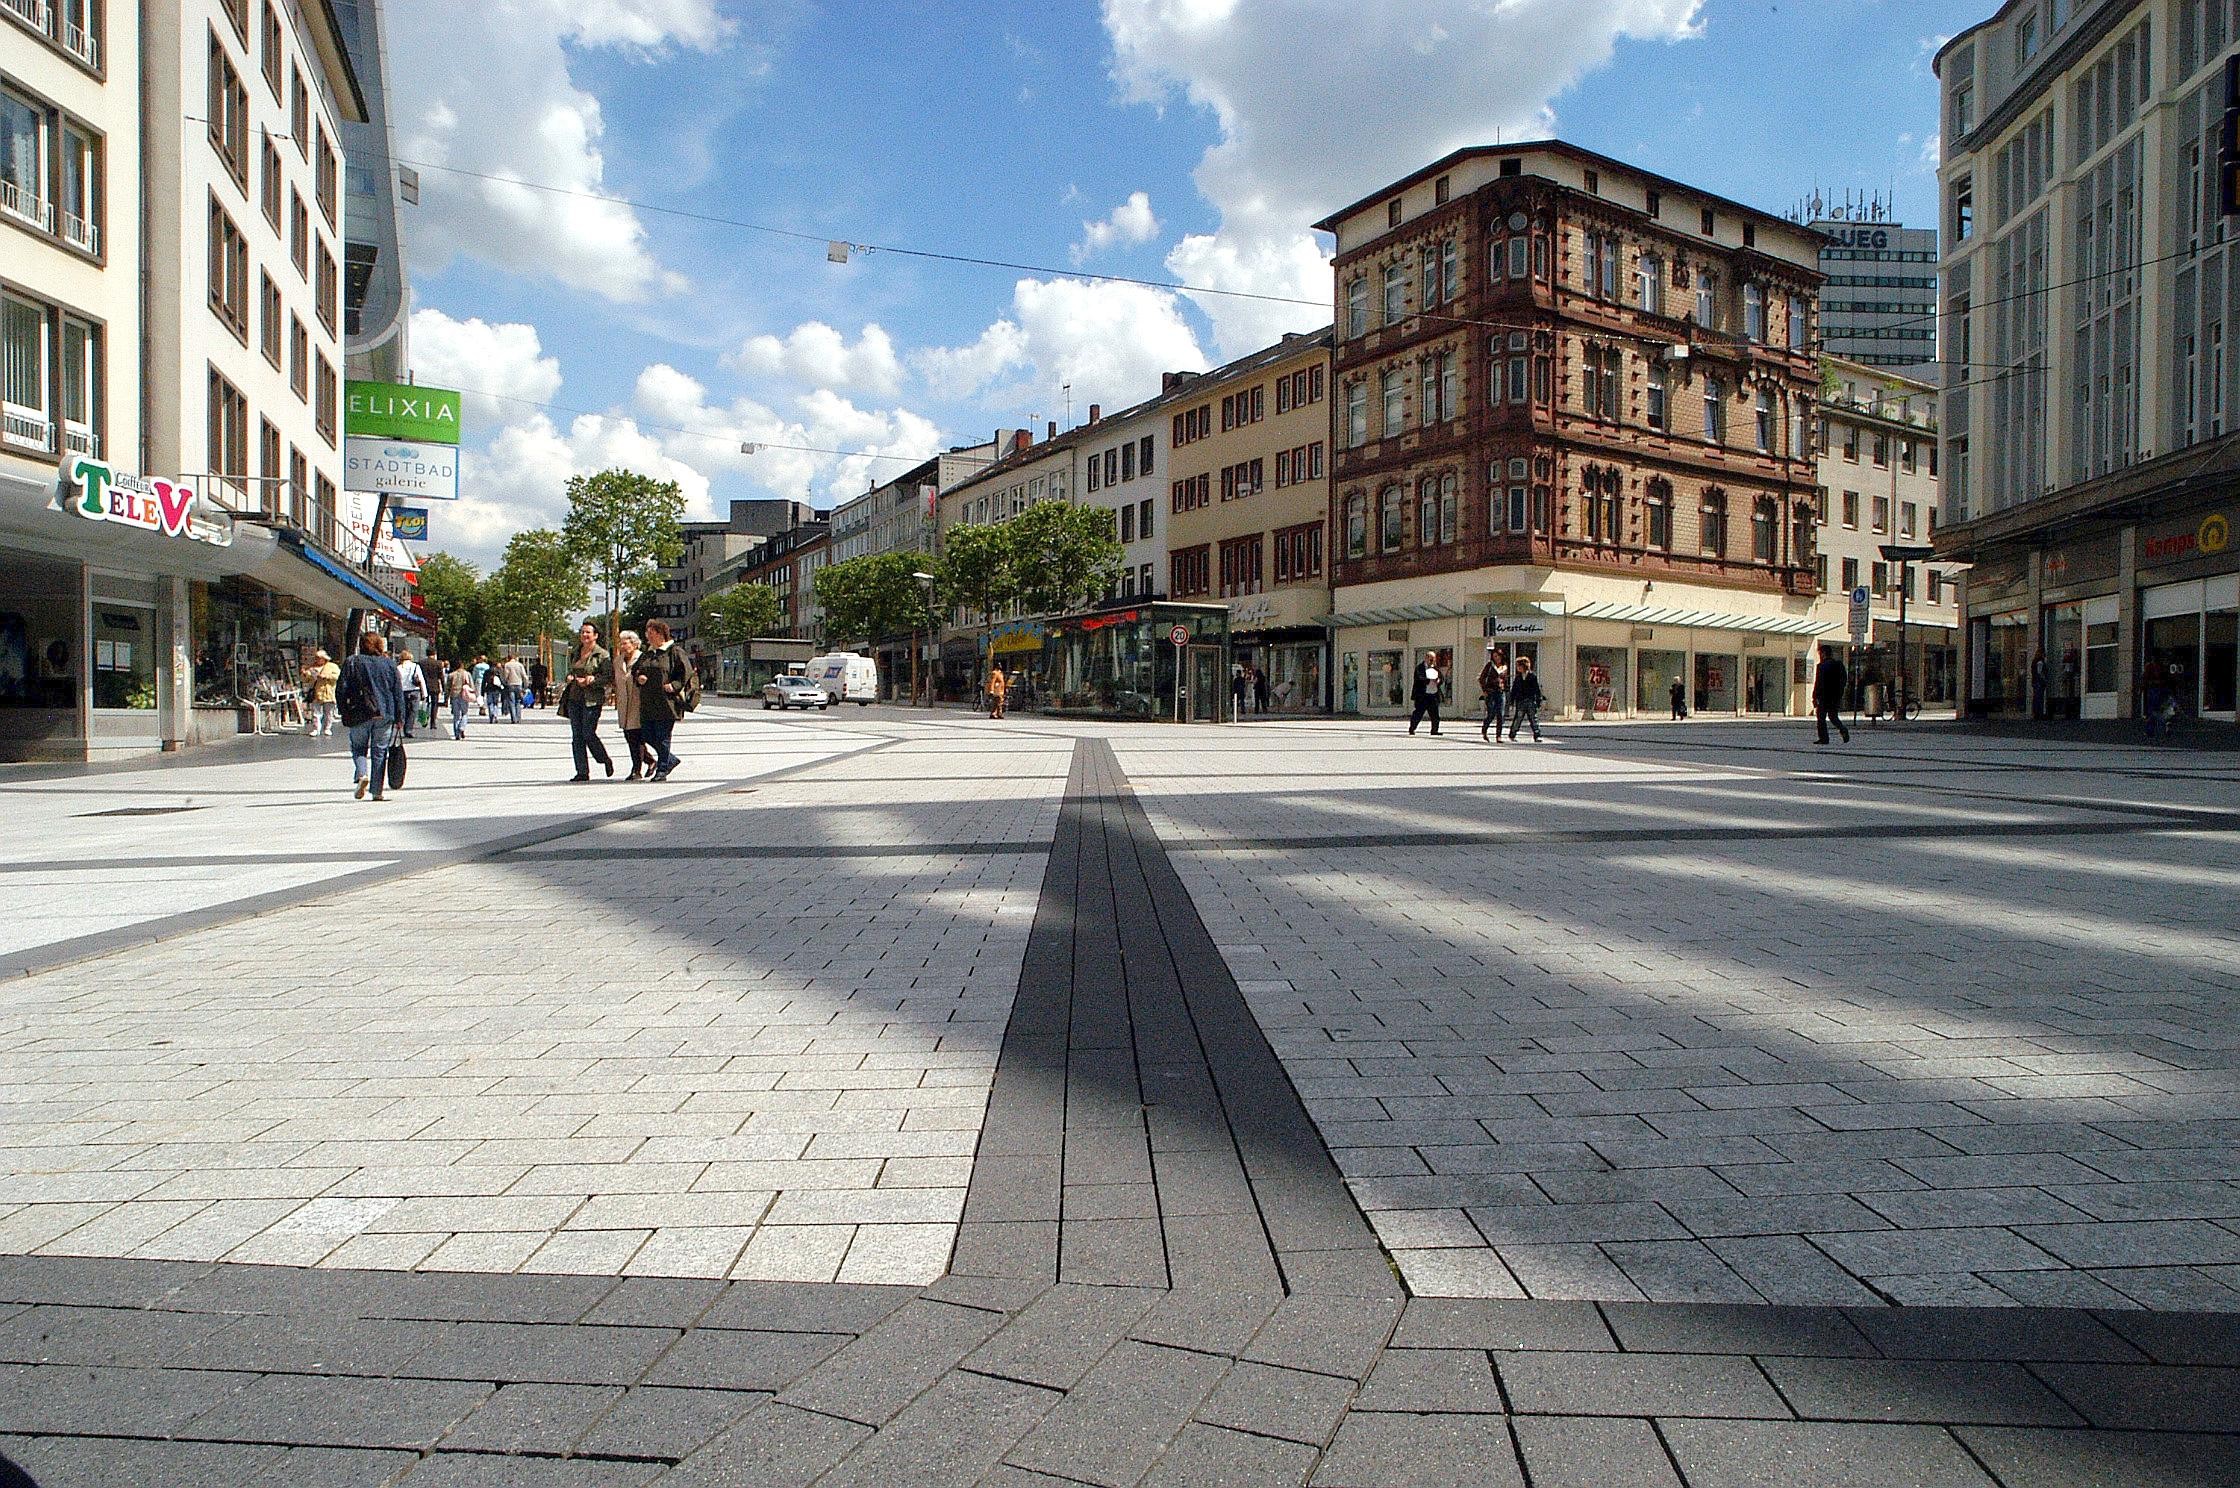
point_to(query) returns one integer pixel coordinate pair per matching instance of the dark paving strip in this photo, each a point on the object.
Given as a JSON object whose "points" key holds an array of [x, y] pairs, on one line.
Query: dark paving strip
{"points": [[767, 850], [34, 959], [2220, 824], [1141, 1131], [156, 1372]]}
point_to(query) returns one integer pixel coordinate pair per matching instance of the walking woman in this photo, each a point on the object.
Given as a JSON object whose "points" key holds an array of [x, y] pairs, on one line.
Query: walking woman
{"points": [[585, 695], [1493, 681], [371, 702], [1525, 699], [458, 686], [625, 691], [664, 679]]}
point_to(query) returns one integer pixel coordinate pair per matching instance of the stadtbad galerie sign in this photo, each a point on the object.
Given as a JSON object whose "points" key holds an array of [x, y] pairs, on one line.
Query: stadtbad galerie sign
{"points": [[408, 413], [97, 491]]}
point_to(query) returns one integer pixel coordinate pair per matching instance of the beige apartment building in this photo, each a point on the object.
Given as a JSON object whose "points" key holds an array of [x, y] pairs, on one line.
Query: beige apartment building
{"points": [[1878, 488], [1249, 508]]}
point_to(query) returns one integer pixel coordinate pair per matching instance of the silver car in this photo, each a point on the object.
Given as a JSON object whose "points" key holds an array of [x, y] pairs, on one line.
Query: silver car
{"points": [[794, 692]]}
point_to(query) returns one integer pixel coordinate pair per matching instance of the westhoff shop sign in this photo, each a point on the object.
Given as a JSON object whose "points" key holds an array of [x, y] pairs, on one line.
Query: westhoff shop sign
{"points": [[97, 491], [406, 413]]}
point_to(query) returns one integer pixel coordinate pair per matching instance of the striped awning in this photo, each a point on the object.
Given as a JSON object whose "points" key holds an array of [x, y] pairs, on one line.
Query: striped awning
{"points": [[1638, 614]]}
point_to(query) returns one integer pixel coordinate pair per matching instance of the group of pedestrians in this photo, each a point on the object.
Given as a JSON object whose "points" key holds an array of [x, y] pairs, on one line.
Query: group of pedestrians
{"points": [[1512, 695], [1248, 686], [652, 684]]}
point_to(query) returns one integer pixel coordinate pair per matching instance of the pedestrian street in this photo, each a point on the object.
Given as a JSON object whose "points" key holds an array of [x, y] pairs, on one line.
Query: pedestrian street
{"points": [[907, 1096]]}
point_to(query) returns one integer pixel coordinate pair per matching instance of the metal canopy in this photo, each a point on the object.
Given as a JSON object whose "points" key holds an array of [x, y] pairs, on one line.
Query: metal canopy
{"points": [[1700, 619]]}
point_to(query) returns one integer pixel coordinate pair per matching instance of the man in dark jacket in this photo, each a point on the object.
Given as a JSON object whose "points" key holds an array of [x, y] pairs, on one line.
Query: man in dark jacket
{"points": [[370, 696], [660, 673], [1829, 684], [1429, 678]]}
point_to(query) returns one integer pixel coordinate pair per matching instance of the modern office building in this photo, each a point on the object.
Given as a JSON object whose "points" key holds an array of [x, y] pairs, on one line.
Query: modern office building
{"points": [[170, 294], [1572, 406], [714, 552], [376, 292], [2090, 285], [1878, 488], [1248, 497], [1878, 306]]}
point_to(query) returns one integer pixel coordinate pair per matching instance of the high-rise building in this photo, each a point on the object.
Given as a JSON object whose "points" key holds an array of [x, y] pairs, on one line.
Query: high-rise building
{"points": [[376, 295], [1572, 406], [1878, 306], [2090, 287]]}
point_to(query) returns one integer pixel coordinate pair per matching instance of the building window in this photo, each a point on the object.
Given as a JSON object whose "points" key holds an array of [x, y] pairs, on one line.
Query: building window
{"points": [[1648, 280], [1357, 414], [78, 211], [1850, 573], [1909, 519], [1128, 523], [1390, 519], [1438, 392], [1881, 451], [1240, 566], [26, 384], [274, 51], [1127, 461], [1601, 374], [1143, 517], [1800, 323], [1660, 392], [229, 272], [228, 113], [1357, 525], [1765, 530], [1395, 390], [1357, 306], [1658, 505], [1143, 455], [1713, 521], [228, 450], [329, 401], [328, 178], [1963, 109], [1395, 293], [269, 326], [1851, 510], [268, 181], [1714, 410], [1707, 298], [1962, 210], [299, 358], [299, 113], [1882, 515], [1188, 572], [1765, 421], [299, 236], [1754, 311]]}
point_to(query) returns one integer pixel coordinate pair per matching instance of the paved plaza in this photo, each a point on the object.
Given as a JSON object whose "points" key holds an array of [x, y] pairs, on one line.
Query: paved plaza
{"points": [[903, 1097]]}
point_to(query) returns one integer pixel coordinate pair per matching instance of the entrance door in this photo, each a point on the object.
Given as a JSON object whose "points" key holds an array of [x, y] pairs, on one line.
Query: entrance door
{"points": [[1208, 684]]}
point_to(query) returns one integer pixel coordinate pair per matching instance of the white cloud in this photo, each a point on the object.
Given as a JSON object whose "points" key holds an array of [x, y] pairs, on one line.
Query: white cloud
{"points": [[1110, 341], [1932, 153], [816, 355], [493, 364], [486, 88], [793, 460], [1286, 156], [1128, 224]]}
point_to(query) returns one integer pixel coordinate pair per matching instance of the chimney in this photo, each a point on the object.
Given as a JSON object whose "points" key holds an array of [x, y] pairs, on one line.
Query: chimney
{"points": [[1053, 429], [1021, 440], [1096, 411]]}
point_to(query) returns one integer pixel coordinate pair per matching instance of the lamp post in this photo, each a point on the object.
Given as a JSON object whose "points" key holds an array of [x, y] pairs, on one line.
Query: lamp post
{"points": [[917, 642]]}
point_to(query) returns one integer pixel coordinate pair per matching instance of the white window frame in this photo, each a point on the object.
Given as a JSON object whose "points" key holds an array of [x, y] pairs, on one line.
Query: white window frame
{"points": [[27, 425]]}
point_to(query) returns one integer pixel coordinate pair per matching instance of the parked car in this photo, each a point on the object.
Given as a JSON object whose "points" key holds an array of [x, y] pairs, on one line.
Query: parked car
{"points": [[849, 677], [794, 692]]}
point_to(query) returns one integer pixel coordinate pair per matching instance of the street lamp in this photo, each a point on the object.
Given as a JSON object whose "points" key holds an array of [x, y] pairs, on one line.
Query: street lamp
{"points": [[917, 641]]}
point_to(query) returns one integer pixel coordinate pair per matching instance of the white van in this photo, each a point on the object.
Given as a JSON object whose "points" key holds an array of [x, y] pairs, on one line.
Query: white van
{"points": [[847, 677]]}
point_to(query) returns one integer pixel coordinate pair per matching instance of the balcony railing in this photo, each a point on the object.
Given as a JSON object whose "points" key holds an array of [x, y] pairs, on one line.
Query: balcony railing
{"points": [[26, 429], [79, 440], [80, 233], [82, 44], [21, 204], [34, 11]]}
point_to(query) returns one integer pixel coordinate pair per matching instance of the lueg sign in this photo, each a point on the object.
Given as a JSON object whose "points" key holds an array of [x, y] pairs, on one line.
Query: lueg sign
{"points": [[99, 492]]}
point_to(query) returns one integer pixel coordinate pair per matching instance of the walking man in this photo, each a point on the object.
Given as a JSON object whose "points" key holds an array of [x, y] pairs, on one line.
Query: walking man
{"points": [[585, 696], [1427, 683], [1828, 689], [1493, 681], [1240, 683], [415, 684], [999, 688], [517, 682], [1259, 690], [1525, 699], [371, 700], [458, 686], [1679, 698], [662, 675]]}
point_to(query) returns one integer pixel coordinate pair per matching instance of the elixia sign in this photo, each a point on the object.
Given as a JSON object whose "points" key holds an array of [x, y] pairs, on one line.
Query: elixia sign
{"points": [[390, 410], [100, 493]]}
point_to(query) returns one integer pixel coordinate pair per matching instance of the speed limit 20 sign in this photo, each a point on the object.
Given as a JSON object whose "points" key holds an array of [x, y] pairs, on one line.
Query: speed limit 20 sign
{"points": [[1180, 635]]}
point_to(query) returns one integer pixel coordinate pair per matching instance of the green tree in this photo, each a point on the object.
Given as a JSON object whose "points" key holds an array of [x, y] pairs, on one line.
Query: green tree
{"points": [[1063, 556], [738, 614], [539, 589], [452, 590], [872, 597], [624, 528], [976, 571]]}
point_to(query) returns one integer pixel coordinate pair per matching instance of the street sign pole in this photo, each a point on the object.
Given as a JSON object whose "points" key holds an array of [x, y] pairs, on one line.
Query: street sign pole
{"points": [[1180, 636]]}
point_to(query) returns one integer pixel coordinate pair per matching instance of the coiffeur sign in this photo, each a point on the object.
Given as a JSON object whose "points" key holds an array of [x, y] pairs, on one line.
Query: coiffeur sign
{"points": [[100, 493]]}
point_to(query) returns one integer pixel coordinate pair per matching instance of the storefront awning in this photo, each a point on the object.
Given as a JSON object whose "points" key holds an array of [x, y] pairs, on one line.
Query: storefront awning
{"points": [[29, 518], [1396, 615], [1635, 614], [296, 567]]}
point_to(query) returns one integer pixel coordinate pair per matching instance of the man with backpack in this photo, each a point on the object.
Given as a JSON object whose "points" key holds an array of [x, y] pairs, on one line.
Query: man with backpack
{"points": [[668, 688]]}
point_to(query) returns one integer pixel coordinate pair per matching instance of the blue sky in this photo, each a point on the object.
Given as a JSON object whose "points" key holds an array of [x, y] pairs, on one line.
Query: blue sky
{"points": [[1002, 130]]}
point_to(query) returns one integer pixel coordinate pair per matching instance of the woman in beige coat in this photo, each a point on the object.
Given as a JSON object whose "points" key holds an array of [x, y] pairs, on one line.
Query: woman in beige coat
{"points": [[625, 692]]}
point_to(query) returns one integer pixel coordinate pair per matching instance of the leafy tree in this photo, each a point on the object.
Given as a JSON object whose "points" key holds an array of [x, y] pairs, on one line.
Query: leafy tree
{"points": [[539, 589], [738, 614], [624, 528], [452, 590], [872, 597], [1063, 556], [976, 571]]}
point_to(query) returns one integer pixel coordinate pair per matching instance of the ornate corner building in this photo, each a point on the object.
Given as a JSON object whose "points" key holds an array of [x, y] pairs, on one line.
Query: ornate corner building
{"points": [[1571, 415]]}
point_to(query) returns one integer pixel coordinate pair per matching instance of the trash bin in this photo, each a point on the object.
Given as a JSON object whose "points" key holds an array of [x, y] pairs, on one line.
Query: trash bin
{"points": [[1871, 699]]}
